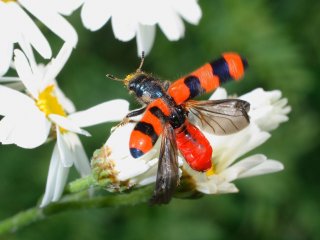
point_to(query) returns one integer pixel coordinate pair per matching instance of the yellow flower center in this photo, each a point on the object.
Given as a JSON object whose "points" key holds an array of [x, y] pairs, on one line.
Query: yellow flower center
{"points": [[6, 1], [211, 171], [48, 103]]}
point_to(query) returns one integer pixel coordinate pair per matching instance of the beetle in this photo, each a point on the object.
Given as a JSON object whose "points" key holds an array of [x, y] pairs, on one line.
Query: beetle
{"points": [[170, 111]]}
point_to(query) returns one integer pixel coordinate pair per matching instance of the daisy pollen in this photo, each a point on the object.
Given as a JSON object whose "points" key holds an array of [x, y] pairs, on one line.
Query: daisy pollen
{"points": [[48, 102]]}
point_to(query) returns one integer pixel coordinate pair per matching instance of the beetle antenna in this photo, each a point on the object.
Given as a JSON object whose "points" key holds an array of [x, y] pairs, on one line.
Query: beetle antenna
{"points": [[110, 76], [141, 63]]}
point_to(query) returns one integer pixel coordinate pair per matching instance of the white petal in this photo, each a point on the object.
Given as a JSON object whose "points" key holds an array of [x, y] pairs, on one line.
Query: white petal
{"points": [[145, 38], [65, 102], [226, 149], [28, 128], [171, 25], [32, 32], [13, 101], [267, 108], [52, 176], [123, 24], [189, 10], [67, 124], [242, 166], [27, 50], [110, 111], [61, 179], [129, 168], [67, 7], [119, 141], [81, 160], [65, 149], [266, 167], [56, 64], [54, 21], [6, 50], [147, 14], [227, 187], [10, 79], [219, 93], [25, 73], [96, 13]]}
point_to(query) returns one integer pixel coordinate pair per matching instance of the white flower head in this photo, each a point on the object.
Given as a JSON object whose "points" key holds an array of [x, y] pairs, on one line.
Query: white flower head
{"points": [[139, 18], [267, 111], [16, 26], [121, 168], [114, 161], [29, 118]]}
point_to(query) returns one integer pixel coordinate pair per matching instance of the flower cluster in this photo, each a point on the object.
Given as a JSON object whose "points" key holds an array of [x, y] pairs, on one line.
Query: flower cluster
{"points": [[129, 19], [43, 110]]}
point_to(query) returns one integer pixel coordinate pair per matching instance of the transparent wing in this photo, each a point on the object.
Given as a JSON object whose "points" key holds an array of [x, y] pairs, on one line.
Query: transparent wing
{"points": [[168, 169], [219, 117]]}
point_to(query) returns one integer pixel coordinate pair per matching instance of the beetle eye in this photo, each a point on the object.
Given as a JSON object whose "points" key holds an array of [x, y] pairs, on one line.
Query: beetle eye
{"points": [[131, 86]]}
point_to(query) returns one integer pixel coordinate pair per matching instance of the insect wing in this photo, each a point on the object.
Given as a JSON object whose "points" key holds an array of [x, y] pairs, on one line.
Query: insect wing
{"points": [[168, 169], [220, 117]]}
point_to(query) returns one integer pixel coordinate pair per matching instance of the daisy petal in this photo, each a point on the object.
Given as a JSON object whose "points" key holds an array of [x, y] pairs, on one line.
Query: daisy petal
{"points": [[54, 21], [10, 79], [27, 129], [65, 102], [17, 100], [67, 7], [6, 49], [268, 166], [123, 26], [171, 25], [52, 175], [60, 181], [67, 124], [102, 14], [57, 63], [27, 50], [145, 38], [227, 187], [32, 32], [110, 111], [25, 73], [189, 10], [81, 160], [242, 166], [219, 93], [65, 149]]}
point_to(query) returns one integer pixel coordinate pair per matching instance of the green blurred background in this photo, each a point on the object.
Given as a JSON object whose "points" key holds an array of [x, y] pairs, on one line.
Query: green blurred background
{"points": [[280, 39]]}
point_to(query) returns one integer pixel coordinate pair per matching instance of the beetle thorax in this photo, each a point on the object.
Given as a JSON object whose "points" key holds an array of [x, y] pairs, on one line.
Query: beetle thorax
{"points": [[144, 86]]}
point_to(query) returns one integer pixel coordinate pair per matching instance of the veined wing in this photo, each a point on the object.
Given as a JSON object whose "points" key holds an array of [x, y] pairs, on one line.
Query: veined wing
{"points": [[220, 117]]}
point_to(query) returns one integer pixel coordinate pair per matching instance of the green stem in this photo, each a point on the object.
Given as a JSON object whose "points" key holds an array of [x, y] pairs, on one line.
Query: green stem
{"points": [[81, 184], [36, 214]]}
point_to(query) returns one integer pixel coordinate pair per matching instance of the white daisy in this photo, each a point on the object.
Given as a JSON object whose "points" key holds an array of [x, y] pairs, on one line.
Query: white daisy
{"points": [[28, 118], [16, 26], [267, 111], [139, 18], [115, 167], [114, 163]]}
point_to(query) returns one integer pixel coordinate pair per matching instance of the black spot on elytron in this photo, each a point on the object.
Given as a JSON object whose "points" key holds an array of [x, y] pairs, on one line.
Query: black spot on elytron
{"points": [[194, 85], [147, 129], [136, 152], [221, 69]]}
